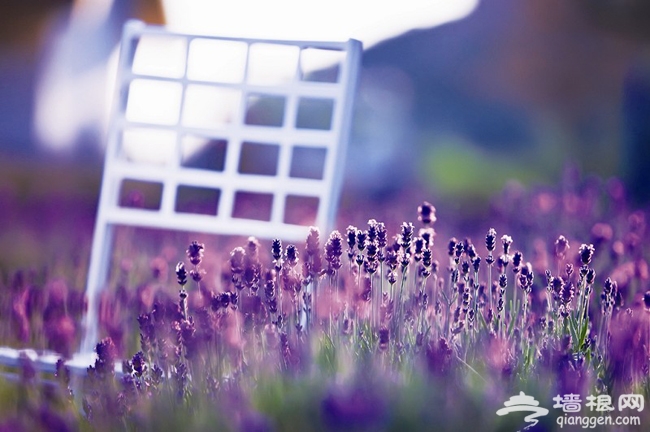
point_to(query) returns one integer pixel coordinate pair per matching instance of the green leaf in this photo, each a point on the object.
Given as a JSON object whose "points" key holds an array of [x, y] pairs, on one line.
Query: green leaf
{"points": [[583, 332], [573, 328]]}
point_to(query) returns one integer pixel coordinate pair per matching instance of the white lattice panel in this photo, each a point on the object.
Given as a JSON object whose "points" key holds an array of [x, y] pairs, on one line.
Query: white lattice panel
{"points": [[224, 136]]}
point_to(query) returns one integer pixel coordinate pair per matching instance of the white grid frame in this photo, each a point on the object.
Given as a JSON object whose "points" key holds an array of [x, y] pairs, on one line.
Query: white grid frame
{"points": [[228, 182]]}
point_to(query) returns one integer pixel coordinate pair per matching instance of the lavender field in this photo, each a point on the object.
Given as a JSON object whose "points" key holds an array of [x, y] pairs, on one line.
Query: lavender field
{"points": [[408, 317]]}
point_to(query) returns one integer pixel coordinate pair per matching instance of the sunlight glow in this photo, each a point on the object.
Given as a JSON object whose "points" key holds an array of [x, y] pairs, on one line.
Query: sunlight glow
{"points": [[70, 99], [336, 20]]}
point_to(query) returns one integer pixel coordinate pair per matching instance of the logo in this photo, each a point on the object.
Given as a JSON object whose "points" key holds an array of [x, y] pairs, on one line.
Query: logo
{"points": [[600, 408], [523, 402]]}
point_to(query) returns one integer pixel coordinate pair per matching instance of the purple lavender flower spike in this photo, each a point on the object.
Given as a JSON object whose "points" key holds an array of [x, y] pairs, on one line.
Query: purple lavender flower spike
{"points": [[195, 252], [586, 252], [333, 252], [491, 240], [181, 273], [427, 213]]}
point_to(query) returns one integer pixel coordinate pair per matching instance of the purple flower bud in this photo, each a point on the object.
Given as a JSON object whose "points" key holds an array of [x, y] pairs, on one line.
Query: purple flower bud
{"points": [[197, 274], [502, 262], [491, 240], [312, 244], [549, 276], [384, 338], [224, 299], [460, 247], [419, 248], [464, 268], [506, 241], [476, 263], [427, 213], [516, 261], [567, 292], [591, 276], [451, 246], [426, 259], [569, 270], [237, 260], [276, 249], [291, 255], [351, 234], [139, 364], [470, 250], [556, 285], [392, 277], [181, 273], [586, 252], [372, 231], [362, 240], [381, 235], [406, 235], [561, 246], [391, 259], [195, 252], [333, 251]]}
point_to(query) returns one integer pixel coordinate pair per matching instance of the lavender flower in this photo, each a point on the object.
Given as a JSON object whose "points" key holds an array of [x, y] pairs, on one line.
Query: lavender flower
{"points": [[506, 241], [406, 236], [491, 240], [568, 291], [381, 235], [502, 262], [371, 263], [556, 287], [312, 252], [181, 273], [460, 247], [586, 252], [372, 231], [362, 238], [276, 250], [516, 261], [237, 260], [470, 250], [476, 263], [568, 270], [384, 338], [269, 284], [197, 274], [351, 235], [427, 260], [419, 248], [139, 364], [561, 246], [427, 234], [591, 276], [333, 252], [105, 362], [252, 265], [291, 255], [451, 246], [427, 213], [195, 252]]}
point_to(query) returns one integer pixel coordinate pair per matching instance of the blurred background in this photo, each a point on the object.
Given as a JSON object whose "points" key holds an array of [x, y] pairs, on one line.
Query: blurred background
{"points": [[455, 98]]}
